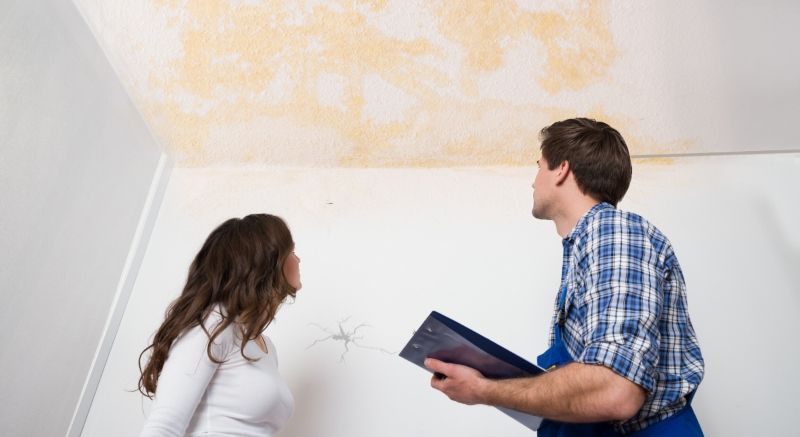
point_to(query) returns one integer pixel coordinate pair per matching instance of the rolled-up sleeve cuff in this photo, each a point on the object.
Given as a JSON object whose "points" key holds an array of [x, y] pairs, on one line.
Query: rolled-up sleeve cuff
{"points": [[621, 360]]}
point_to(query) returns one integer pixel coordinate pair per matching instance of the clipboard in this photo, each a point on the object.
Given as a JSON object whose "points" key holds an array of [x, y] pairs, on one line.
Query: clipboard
{"points": [[445, 339]]}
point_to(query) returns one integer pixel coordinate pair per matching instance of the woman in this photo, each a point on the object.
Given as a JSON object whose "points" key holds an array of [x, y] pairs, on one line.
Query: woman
{"points": [[210, 368]]}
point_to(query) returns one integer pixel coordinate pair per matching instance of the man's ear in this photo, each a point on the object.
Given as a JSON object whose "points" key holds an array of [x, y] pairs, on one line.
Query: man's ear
{"points": [[562, 173]]}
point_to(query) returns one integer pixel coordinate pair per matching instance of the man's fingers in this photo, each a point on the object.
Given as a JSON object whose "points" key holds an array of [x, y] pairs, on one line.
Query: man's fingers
{"points": [[442, 368], [438, 381], [435, 365], [457, 382], [438, 368]]}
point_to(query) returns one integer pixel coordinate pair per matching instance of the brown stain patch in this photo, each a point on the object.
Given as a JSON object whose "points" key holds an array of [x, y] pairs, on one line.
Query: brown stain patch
{"points": [[580, 47], [578, 42], [244, 63], [232, 55]]}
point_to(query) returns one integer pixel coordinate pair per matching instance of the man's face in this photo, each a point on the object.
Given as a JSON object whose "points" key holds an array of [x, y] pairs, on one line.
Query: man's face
{"points": [[542, 190]]}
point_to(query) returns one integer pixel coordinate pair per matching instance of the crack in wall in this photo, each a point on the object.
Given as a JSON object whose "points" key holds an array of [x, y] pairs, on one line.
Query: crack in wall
{"points": [[347, 337]]}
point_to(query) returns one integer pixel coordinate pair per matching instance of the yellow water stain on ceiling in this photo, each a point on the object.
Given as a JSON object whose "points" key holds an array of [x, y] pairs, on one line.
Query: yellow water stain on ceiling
{"points": [[251, 77], [579, 46], [491, 134]]}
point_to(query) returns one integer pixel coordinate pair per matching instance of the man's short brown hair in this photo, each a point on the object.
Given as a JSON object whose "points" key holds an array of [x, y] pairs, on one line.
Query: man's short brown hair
{"points": [[596, 153]]}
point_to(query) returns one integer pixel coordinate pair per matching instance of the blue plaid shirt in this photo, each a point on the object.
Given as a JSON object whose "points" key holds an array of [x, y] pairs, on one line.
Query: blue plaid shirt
{"points": [[626, 309]]}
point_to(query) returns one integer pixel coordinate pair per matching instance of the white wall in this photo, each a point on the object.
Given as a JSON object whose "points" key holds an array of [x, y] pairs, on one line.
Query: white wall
{"points": [[76, 167], [385, 247]]}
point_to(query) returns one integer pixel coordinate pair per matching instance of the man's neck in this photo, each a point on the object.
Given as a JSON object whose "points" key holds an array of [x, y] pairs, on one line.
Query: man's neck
{"points": [[573, 211]]}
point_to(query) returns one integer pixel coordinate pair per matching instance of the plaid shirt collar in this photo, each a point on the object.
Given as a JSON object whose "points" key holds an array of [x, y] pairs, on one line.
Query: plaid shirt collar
{"points": [[580, 227]]}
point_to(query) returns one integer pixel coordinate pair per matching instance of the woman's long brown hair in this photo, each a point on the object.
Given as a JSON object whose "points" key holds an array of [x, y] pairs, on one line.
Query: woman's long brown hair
{"points": [[240, 269]]}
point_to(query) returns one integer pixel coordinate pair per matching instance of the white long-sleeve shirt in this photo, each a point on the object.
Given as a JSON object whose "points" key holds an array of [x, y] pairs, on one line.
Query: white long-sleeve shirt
{"points": [[196, 396]]}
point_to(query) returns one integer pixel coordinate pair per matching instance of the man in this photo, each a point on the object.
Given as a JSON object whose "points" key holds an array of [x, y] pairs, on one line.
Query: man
{"points": [[623, 356]]}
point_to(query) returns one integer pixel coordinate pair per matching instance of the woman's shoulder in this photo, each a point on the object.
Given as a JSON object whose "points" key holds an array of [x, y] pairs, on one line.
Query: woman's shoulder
{"points": [[214, 318], [218, 317], [224, 340]]}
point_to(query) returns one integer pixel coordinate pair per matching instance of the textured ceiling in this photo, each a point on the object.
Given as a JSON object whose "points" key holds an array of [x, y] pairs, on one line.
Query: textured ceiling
{"points": [[412, 83]]}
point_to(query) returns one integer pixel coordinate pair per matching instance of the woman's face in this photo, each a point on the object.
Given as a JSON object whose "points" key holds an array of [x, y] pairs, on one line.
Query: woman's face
{"points": [[291, 270]]}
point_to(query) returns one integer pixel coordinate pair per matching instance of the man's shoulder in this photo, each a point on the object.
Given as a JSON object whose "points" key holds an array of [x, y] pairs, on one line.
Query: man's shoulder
{"points": [[618, 218], [613, 221], [613, 232]]}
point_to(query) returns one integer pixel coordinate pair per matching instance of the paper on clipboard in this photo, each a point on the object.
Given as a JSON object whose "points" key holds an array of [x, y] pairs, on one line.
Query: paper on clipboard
{"points": [[445, 339]]}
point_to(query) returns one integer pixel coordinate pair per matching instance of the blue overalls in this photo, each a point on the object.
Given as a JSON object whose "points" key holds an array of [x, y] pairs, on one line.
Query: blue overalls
{"points": [[683, 423]]}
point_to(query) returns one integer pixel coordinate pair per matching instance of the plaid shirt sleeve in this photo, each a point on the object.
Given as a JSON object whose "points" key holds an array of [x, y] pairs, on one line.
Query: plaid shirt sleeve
{"points": [[621, 301]]}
